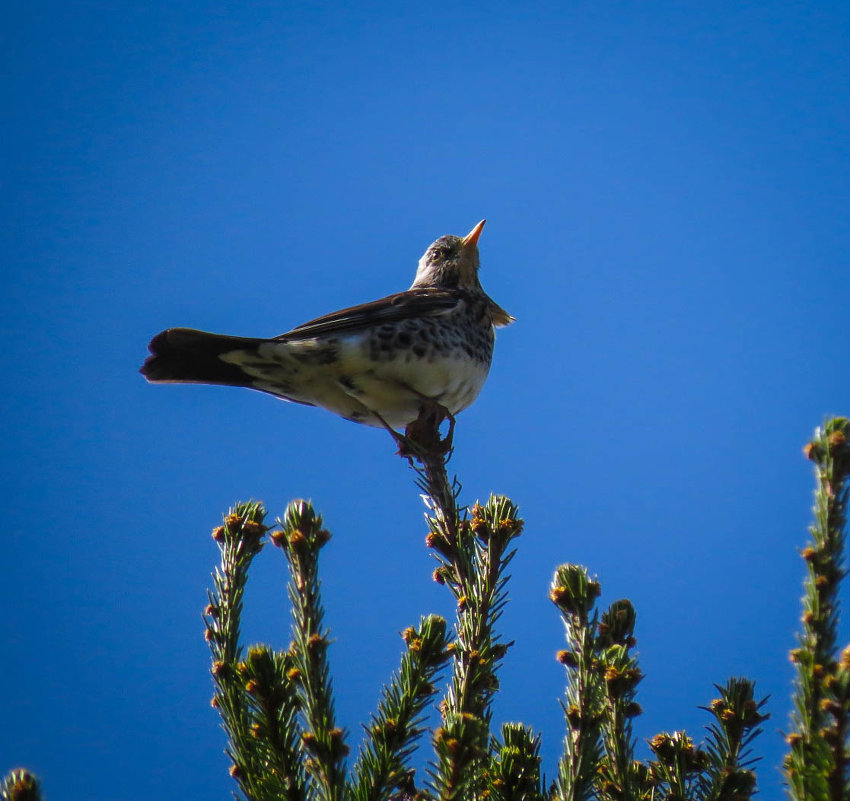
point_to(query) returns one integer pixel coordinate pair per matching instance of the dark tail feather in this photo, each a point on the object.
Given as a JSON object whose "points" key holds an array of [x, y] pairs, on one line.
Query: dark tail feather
{"points": [[185, 356]]}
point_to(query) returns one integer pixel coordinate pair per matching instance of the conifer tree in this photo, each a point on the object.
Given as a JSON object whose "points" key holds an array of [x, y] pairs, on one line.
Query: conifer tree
{"points": [[277, 705]]}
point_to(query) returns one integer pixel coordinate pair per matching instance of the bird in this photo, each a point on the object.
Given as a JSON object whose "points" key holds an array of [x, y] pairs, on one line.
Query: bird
{"points": [[384, 363]]}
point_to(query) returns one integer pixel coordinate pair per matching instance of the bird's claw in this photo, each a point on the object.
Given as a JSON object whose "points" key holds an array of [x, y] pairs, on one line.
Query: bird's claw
{"points": [[423, 434], [421, 437]]}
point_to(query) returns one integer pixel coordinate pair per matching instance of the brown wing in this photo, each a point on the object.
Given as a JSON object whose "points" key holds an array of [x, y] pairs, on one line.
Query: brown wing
{"points": [[424, 302]]}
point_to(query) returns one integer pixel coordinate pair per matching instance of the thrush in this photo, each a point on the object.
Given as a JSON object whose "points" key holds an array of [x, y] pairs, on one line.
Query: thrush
{"points": [[381, 363]]}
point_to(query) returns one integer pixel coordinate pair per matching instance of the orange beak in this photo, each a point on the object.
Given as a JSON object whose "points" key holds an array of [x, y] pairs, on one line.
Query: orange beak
{"points": [[471, 239]]}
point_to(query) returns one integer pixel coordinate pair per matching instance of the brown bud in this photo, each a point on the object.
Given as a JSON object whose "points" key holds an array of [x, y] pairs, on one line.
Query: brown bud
{"points": [[479, 526], [336, 736], [837, 438], [253, 529], [558, 594], [510, 527], [439, 543], [573, 715], [388, 728], [663, 746], [830, 706], [218, 533], [567, 658], [233, 521], [296, 539]]}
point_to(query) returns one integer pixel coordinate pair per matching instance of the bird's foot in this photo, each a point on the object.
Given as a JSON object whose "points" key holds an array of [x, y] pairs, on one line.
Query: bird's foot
{"points": [[422, 437], [407, 448], [424, 431]]}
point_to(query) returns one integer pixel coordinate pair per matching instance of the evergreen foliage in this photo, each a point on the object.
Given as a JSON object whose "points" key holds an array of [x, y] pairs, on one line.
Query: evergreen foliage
{"points": [[277, 706]]}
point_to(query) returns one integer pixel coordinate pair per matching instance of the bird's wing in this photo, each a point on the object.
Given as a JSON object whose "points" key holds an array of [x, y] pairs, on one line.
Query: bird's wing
{"points": [[393, 308]]}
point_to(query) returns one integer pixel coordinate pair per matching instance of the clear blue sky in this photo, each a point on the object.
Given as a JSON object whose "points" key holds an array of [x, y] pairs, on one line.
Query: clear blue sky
{"points": [[668, 203]]}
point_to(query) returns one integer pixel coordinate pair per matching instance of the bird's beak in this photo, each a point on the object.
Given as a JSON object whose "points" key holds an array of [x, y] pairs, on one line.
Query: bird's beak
{"points": [[471, 239]]}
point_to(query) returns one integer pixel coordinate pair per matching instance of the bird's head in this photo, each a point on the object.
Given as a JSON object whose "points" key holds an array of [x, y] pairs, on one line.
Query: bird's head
{"points": [[451, 262]]}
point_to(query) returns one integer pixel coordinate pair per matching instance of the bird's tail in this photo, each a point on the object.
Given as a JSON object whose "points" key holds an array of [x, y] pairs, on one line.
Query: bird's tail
{"points": [[186, 356]]}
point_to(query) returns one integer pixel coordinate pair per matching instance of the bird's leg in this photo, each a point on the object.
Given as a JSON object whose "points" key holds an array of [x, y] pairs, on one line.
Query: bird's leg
{"points": [[407, 448]]}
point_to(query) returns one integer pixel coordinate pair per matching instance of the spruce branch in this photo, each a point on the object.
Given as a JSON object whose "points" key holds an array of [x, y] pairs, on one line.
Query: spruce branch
{"points": [[277, 707], [620, 676], [737, 722], [473, 554], [300, 537], [239, 540], [816, 765], [273, 706], [514, 770], [575, 593], [678, 767], [484, 540], [20, 785], [473, 568], [460, 747], [383, 765]]}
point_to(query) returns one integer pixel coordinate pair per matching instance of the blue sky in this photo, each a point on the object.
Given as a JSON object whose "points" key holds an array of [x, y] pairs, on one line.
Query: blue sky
{"points": [[668, 204]]}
